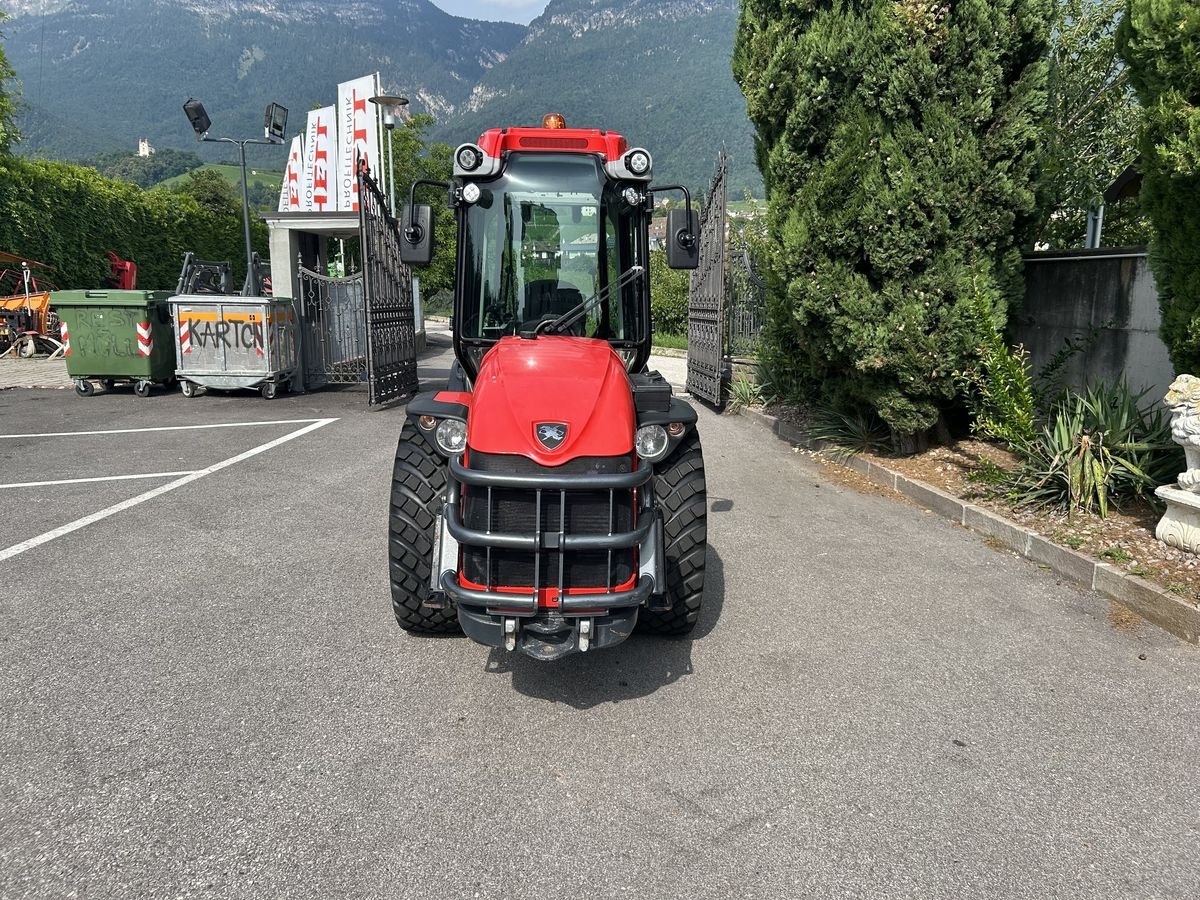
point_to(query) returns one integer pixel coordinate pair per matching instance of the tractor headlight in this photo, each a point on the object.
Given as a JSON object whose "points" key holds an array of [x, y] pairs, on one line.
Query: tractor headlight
{"points": [[469, 157], [650, 441], [471, 192], [638, 162], [451, 436]]}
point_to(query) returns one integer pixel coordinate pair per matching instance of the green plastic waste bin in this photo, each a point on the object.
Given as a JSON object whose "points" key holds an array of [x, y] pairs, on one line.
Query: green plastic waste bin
{"points": [[116, 336]]}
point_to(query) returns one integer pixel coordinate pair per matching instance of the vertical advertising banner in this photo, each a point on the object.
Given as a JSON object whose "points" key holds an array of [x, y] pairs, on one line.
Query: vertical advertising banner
{"points": [[358, 137], [289, 191], [318, 192]]}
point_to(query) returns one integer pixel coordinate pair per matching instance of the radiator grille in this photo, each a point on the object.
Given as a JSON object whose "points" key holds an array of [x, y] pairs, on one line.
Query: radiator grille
{"points": [[515, 511]]}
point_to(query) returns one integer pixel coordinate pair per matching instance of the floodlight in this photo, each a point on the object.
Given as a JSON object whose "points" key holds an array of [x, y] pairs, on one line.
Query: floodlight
{"points": [[194, 110]]}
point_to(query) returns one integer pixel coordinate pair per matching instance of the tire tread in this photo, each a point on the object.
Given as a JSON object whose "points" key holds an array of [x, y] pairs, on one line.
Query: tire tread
{"points": [[681, 493], [418, 485]]}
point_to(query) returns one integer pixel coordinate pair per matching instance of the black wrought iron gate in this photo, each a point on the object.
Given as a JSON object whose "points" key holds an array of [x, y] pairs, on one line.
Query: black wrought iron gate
{"points": [[747, 300], [387, 290], [333, 323], [706, 298]]}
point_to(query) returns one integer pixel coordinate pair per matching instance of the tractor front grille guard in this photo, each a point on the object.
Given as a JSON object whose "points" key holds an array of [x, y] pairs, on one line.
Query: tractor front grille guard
{"points": [[545, 544]]}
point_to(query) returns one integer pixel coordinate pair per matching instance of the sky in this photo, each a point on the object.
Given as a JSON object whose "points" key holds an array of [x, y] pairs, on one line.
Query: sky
{"points": [[522, 11]]}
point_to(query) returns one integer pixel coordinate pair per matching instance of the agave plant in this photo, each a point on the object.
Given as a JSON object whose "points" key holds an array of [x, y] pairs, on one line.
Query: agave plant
{"points": [[1098, 446], [850, 431]]}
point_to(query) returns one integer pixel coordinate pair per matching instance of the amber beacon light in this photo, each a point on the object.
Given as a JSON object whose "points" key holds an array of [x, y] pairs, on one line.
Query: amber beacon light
{"points": [[553, 120]]}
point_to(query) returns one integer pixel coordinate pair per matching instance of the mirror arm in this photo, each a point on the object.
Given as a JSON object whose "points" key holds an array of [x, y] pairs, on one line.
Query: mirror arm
{"points": [[413, 233], [686, 239]]}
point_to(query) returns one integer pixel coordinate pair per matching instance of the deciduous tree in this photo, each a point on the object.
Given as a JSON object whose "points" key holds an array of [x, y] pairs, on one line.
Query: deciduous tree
{"points": [[1094, 117]]}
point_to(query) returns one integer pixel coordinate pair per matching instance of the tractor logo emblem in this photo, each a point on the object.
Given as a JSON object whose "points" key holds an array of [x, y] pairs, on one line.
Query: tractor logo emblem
{"points": [[551, 434]]}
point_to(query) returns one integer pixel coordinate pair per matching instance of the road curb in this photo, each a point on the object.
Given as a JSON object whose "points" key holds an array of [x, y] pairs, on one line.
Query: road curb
{"points": [[1152, 603]]}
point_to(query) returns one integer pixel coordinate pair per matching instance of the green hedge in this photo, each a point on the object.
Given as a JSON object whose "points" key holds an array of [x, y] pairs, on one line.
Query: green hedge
{"points": [[67, 216], [668, 296]]}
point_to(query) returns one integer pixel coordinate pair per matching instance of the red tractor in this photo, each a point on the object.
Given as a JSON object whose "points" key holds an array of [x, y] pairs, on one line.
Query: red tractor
{"points": [[551, 497]]}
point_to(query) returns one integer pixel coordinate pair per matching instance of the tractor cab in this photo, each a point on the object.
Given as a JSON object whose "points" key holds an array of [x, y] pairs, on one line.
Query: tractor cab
{"points": [[552, 239]]}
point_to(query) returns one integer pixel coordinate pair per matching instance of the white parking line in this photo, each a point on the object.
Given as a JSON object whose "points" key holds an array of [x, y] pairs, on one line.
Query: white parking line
{"points": [[17, 549], [29, 484], [165, 428]]}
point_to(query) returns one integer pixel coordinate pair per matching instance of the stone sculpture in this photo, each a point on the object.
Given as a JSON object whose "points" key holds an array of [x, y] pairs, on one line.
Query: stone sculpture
{"points": [[1180, 524]]}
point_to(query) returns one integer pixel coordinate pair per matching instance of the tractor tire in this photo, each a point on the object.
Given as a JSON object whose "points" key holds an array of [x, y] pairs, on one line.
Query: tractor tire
{"points": [[418, 491], [680, 491]]}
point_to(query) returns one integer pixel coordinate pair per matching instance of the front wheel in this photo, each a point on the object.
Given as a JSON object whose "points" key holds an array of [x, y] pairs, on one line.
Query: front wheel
{"points": [[269, 390], [418, 492], [682, 497], [187, 388], [83, 387], [142, 388]]}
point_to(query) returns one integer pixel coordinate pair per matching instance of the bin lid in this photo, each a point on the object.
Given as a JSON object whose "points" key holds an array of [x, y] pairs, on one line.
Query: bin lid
{"points": [[225, 300], [107, 298]]}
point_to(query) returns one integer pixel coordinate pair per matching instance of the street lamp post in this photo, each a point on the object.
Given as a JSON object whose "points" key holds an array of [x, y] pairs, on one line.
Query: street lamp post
{"points": [[274, 125], [393, 109]]}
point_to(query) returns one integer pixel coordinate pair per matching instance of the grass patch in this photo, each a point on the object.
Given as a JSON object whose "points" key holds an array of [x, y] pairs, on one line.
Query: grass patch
{"points": [[1117, 555], [671, 341], [233, 174]]}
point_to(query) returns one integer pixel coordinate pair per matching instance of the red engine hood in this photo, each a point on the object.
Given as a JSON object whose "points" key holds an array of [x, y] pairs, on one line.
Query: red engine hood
{"points": [[577, 383]]}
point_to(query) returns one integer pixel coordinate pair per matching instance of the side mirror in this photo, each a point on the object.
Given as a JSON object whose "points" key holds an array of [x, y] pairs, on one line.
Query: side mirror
{"points": [[416, 235], [683, 239]]}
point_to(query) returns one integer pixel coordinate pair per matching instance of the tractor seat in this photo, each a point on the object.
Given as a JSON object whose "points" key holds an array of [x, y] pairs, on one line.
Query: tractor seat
{"points": [[550, 297]]}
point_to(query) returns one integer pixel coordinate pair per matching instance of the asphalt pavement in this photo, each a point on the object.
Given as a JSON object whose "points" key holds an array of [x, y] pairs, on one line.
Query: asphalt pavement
{"points": [[203, 693]]}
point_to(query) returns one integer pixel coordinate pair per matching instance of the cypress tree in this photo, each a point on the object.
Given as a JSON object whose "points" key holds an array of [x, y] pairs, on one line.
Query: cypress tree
{"points": [[899, 141], [1160, 40]]}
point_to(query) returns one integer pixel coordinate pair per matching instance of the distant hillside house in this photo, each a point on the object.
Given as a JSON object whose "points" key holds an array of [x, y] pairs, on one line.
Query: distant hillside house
{"points": [[658, 234], [144, 148]]}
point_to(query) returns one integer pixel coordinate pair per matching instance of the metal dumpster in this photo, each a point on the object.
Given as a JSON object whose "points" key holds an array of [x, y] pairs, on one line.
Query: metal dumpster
{"points": [[112, 336], [229, 342]]}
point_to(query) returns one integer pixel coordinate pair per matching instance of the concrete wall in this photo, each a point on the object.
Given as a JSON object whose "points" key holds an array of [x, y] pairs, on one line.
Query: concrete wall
{"points": [[1068, 294]]}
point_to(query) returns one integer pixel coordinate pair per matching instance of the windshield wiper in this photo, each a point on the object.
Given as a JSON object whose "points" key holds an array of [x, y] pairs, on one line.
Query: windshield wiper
{"points": [[573, 315]]}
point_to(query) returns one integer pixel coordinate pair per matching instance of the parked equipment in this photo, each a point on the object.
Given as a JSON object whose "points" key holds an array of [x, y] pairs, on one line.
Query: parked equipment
{"points": [[232, 342], [116, 337], [199, 276], [124, 272], [552, 495], [29, 326]]}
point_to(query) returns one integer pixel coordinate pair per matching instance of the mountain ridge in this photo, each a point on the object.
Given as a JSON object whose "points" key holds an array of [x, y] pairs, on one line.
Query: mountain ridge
{"points": [[656, 70]]}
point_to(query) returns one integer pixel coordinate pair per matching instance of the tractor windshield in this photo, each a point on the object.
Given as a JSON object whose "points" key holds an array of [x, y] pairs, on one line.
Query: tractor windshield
{"points": [[547, 234]]}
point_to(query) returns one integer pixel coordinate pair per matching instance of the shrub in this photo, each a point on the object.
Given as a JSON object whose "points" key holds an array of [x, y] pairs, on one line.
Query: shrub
{"points": [[998, 389], [900, 143], [668, 296]]}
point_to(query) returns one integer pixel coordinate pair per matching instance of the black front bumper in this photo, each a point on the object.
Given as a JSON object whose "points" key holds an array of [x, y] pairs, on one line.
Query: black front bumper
{"points": [[549, 633]]}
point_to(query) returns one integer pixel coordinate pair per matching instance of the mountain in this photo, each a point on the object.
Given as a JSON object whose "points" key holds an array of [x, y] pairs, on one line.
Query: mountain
{"points": [[98, 74], [657, 71]]}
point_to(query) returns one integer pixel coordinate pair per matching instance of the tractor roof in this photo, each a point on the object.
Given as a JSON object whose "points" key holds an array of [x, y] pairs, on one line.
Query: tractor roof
{"points": [[496, 141]]}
